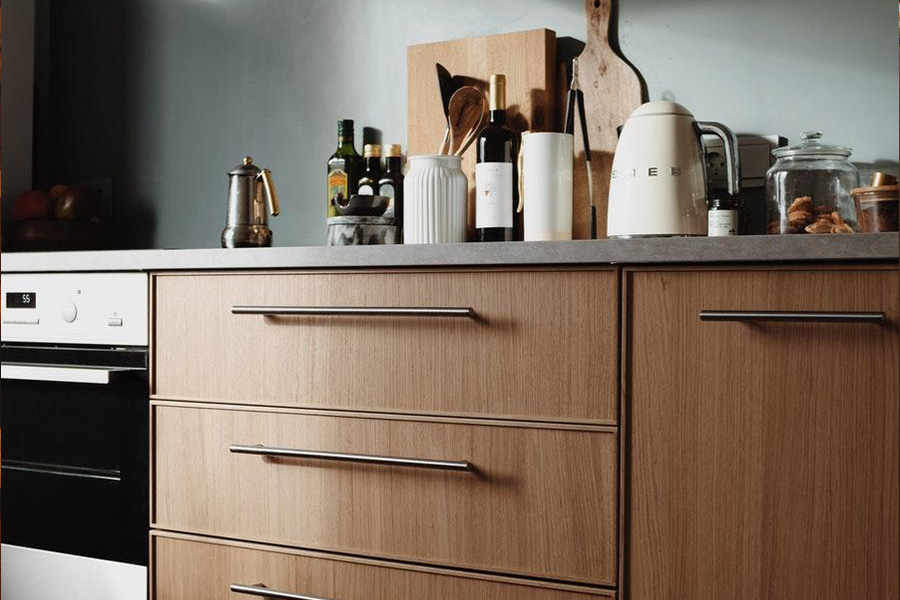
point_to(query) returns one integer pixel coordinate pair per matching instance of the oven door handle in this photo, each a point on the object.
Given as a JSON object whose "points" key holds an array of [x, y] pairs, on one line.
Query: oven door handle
{"points": [[57, 374]]}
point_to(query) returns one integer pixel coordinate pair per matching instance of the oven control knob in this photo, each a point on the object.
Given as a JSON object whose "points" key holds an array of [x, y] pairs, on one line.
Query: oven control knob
{"points": [[69, 312]]}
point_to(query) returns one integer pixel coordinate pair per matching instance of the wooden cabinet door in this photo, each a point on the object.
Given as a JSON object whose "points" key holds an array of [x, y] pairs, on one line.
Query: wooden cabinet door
{"points": [[762, 458]]}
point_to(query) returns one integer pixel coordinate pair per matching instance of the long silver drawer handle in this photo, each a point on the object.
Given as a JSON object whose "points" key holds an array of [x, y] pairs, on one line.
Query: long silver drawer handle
{"points": [[261, 590], [355, 311], [761, 316], [422, 463]]}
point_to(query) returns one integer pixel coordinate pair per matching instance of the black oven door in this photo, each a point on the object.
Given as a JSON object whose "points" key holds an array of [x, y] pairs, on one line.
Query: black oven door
{"points": [[75, 451]]}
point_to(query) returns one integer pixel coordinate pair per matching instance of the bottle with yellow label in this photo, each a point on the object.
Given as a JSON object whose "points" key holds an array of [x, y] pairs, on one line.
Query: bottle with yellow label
{"points": [[344, 168]]}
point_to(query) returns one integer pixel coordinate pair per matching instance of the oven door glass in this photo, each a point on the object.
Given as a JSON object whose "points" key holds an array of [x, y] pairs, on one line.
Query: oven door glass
{"points": [[75, 465]]}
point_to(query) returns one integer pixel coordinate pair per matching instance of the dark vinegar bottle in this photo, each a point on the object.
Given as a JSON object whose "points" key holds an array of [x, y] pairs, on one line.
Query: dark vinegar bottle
{"points": [[495, 172]]}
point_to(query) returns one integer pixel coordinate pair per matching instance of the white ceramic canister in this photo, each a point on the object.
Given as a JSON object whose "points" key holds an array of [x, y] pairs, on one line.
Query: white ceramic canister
{"points": [[545, 185], [435, 194]]}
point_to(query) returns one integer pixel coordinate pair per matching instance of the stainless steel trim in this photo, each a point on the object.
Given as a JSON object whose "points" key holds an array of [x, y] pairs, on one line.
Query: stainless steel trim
{"points": [[264, 592], [761, 316], [21, 321], [57, 374], [354, 311], [61, 470], [446, 465]]}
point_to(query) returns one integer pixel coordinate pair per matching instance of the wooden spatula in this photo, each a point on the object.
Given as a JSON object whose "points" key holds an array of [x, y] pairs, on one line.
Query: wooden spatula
{"points": [[466, 114]]}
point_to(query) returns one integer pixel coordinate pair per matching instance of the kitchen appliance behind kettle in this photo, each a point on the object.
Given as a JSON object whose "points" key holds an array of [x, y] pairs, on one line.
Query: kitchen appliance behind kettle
{"points": [[251, 191], [658, 182]]}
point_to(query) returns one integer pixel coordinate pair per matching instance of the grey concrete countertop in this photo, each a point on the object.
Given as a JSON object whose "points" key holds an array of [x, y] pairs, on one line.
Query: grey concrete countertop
{"points": [[747, 249]]}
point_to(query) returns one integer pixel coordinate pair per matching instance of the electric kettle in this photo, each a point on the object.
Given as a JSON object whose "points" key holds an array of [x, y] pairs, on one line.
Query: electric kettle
{"points": [[658, 181], [250, 190]]}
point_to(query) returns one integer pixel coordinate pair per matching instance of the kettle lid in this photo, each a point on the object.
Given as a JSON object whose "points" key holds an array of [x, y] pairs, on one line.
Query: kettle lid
{"points": [[661, 107], [246, 168]]}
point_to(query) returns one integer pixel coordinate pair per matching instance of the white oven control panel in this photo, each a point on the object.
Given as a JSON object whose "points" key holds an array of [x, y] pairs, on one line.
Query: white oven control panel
{"points": [[108, 309]]}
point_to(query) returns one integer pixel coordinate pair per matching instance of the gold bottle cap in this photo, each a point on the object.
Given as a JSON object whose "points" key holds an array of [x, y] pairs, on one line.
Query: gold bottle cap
{"points": [[498, 92], [371, 151], [393, 150]]}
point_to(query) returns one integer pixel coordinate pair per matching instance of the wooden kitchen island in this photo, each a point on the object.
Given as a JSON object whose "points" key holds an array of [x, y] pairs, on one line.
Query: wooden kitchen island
{"points": [[710, 424]]}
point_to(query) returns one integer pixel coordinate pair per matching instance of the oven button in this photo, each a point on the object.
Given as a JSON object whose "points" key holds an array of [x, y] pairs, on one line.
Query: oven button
{"points": [[69, 312], [114, 321]]}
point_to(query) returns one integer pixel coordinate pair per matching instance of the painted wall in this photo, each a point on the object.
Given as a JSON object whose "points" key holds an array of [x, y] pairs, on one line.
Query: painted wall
{"points": [[165, 96]]}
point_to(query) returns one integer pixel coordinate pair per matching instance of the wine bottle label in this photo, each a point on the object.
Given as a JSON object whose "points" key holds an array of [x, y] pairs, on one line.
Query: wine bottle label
{"points": [[337, 185], [722, 223], [493, 195], [387, 189]]}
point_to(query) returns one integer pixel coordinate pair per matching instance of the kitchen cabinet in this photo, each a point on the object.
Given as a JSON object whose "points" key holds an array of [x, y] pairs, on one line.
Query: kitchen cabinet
{"points": [[617, 444], [761, 458]]}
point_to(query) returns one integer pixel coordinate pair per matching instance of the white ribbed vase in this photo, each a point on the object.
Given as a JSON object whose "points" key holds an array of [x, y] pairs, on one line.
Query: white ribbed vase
{"points": [[435, 194]]}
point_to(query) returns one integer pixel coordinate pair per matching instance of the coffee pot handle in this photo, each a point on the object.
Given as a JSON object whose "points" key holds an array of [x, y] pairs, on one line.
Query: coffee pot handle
{"points": [[271, 195], [732, 157]]}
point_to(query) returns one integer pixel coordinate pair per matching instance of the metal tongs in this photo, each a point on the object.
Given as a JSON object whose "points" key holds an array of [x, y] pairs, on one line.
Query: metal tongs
{"points": [[575, 94]]}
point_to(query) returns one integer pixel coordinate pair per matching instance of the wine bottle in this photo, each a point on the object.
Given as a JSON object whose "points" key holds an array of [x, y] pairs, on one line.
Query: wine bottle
{"points": [[368, 183], [391, 183], [495, 172], [344, 168]]}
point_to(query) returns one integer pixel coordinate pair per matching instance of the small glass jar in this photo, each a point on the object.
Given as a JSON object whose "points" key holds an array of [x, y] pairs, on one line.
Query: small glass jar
{"points": [[809, 188]]}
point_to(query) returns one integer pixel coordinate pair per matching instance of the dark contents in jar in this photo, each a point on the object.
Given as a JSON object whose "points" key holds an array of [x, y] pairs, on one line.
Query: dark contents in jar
{"points": [[879, 215], [803, 216]]}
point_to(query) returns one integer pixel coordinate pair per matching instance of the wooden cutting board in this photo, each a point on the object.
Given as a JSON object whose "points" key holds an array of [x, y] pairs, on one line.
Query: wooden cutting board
{"points": [[527, 58], [612, 90]]}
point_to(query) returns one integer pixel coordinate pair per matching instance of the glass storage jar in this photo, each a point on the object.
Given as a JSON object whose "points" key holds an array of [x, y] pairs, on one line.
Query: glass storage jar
{"points": [[809, 188]]}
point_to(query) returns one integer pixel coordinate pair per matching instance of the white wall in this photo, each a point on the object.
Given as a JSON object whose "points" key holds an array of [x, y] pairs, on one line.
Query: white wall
{"points": [[171, 93]]}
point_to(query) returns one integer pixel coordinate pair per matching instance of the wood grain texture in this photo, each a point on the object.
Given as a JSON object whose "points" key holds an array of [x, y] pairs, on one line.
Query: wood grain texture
{"points": [[527, 58], [612, 90], [544, 348], [192, 568], [540, 502], [762, 459]]}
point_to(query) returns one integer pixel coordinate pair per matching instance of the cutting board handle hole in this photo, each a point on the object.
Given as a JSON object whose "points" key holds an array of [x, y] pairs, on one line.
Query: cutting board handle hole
{"points": [[596, 3]]}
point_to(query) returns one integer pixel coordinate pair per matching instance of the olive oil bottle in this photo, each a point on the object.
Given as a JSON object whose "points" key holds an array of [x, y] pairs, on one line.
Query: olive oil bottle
{"points": [[344, 168]]}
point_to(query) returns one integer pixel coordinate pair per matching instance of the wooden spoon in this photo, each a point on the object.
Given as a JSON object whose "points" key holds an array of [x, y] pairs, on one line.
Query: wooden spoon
{"points": [[466, 113]]}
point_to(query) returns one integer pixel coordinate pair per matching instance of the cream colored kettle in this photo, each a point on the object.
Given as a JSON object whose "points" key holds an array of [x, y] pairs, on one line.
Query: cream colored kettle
{"points": [[658, 181]]}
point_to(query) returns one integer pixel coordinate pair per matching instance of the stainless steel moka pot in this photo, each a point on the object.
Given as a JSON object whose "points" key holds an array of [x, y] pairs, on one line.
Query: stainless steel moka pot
{"points": [[251, 197]]}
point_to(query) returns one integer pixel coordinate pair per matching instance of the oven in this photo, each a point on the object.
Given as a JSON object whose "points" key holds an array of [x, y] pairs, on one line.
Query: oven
{"points": [[74, 413]]}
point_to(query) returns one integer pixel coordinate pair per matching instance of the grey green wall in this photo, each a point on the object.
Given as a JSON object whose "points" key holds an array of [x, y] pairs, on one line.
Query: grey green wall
{"points": [[164, 96]]}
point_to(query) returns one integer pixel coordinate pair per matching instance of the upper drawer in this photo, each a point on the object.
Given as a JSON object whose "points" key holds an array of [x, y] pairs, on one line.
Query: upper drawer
{"points": [[532, 500], [188, 568], [540, 344]]}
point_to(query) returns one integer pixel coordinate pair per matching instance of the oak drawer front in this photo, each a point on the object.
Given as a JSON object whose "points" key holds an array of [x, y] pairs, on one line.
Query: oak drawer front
{"points": [[764, 454], [191, 569], [535, 501], [542, 344]]}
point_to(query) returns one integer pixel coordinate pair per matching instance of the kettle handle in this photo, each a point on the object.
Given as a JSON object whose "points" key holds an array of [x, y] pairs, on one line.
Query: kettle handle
{"points": [[732, 157], [271, 194]]}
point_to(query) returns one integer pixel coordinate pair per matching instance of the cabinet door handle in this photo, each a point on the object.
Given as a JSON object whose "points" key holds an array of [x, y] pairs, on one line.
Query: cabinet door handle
{"points": [[262, 591], [791, 316], [355, 311], [393, 461]]}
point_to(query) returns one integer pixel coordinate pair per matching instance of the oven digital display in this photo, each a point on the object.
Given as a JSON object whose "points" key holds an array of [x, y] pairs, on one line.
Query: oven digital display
{"points": [[21, 299]]}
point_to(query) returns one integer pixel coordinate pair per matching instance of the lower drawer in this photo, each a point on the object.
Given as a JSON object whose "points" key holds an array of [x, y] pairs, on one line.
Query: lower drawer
{"points": [[191, 568], [531, 500]]}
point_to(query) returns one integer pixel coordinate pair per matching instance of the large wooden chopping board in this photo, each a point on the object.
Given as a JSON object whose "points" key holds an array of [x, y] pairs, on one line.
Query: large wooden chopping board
{"points": [[612, 90], [527, 58]]}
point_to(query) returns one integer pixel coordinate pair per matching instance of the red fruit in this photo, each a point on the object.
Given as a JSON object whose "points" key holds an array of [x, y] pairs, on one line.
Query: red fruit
{"points": [[33, 204], [57, 191]]}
